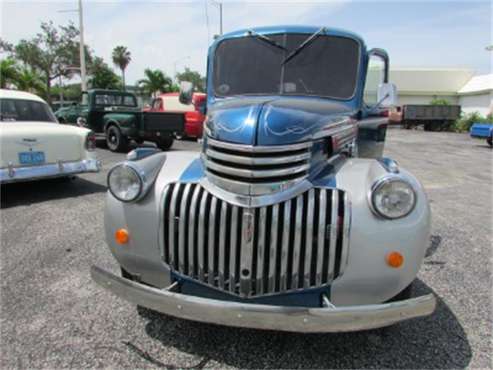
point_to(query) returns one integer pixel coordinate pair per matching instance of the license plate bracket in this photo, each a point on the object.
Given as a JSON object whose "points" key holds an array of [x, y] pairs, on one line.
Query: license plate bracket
{"points": [[32, 158]]}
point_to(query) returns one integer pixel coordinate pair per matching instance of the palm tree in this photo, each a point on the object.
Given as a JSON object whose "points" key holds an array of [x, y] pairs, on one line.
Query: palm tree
{"points": [[8, 72], [121, 59], [155, 81], [29, 80]]}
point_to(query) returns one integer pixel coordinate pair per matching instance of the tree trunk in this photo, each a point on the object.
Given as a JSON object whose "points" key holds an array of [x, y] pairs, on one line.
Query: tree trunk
{"points": [[123, 78]]}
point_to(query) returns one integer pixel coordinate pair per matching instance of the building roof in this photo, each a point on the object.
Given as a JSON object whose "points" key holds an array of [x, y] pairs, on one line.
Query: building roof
{"points": [[15, 94], [430, 81], [477, 85]]}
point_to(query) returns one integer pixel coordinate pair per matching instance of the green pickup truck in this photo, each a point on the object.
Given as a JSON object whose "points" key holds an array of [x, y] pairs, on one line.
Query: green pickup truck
{"points": [[117, 116]]}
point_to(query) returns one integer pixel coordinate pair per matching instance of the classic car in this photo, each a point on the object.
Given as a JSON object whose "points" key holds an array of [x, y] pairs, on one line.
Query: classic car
{"points": [[290, 218], [194, 113], [33, 145], [116, 116]]}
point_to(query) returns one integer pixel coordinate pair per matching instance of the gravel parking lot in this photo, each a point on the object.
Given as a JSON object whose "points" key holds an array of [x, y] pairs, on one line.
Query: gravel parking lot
{"points": [[54, 316]]}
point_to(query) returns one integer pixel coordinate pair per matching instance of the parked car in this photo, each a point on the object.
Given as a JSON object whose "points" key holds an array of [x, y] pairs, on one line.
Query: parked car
{"points": [[194, 113], [116, 116], [290, 218], [33, 145], [432, 117]]}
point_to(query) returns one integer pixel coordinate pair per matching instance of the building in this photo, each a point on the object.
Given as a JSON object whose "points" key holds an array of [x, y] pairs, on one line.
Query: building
{"points": [[457, 86]]}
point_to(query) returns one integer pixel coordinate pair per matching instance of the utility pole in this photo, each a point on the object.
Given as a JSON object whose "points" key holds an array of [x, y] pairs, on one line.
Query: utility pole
{"points": [[82, 50], [220, 6]]}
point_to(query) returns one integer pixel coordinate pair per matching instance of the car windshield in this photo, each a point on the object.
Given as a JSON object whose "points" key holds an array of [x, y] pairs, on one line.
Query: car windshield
{"points": [[327, 66], [115, 100], [25, 110]]}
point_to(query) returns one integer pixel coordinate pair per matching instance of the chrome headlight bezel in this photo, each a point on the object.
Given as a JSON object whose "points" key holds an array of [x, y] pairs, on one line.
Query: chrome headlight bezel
{"points": [[139, 175], [378, 185]]}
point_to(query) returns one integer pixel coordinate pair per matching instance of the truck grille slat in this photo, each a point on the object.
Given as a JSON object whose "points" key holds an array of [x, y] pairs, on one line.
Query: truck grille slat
{"points": [[297, 244]]}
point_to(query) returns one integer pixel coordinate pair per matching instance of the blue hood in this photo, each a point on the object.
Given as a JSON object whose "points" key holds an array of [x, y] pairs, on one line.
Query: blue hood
{"points": [[273, 120]]}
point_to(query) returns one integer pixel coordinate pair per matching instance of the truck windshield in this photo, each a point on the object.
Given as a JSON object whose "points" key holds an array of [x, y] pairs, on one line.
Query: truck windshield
{"points": [[327, 67], [25, 110]]}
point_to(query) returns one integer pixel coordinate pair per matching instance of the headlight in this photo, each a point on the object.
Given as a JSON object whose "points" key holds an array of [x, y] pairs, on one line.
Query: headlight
{"points": [[125, 183], [393, 198]]}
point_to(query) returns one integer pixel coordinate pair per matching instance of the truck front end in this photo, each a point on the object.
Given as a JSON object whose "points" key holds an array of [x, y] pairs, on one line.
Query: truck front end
{"points": [[277, 223]]}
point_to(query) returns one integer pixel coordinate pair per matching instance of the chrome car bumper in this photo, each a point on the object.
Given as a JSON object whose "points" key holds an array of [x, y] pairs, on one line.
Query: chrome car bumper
{"points": [[292, 319], [14, 174]]}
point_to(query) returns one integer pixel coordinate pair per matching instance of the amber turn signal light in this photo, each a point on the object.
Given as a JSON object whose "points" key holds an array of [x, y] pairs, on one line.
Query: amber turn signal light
{"points": [[121, 236], [395, 259]]}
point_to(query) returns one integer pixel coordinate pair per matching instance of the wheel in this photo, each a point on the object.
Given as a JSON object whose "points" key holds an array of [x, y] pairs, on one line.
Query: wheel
{"points": [[115, 140], [427, 126], [165, 143], [489, 140]]}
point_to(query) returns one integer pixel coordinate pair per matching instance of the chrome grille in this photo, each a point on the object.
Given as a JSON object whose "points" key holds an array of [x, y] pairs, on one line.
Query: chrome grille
{"points": [[297, 244], [256, 170]]}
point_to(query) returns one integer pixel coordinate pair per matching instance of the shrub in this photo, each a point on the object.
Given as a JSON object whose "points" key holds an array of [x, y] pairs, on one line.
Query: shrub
{"points": [[464, 123], [439, 102]]}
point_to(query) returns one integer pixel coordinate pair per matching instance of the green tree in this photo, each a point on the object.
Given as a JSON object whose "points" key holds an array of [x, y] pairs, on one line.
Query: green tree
{"points": [[8, 72], [193, 77], [51, 52], [121, 58], [437, 101], [155, 81], [102, 76]]}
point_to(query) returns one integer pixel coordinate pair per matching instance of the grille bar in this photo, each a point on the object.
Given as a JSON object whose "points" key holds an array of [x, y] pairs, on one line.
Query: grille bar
{"points": [[297, 244]]}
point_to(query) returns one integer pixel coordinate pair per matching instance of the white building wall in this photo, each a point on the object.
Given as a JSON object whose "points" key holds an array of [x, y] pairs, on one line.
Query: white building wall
{"points": [[482, 103]]}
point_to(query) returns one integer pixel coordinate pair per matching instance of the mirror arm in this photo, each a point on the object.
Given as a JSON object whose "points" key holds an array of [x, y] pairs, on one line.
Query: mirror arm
{"points": [[378, 103]]}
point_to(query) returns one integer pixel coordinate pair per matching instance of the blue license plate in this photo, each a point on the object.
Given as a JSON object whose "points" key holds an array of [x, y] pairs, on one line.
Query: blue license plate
{"points": [[32, 157]]}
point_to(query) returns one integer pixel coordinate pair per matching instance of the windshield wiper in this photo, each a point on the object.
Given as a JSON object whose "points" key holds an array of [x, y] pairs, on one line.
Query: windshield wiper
{"points": [[266, 39], [304, 44]]}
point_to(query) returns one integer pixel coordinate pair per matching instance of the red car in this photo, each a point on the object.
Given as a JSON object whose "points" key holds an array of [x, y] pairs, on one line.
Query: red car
{"points": [[194, 113]]}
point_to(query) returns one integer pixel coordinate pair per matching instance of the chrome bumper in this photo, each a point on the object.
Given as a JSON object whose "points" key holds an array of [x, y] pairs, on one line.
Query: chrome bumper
{"points": [[293, 319], [13, 174]]}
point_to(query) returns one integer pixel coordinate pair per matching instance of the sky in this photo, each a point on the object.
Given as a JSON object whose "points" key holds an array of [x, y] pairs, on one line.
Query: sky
{"points": [[170, 35]]}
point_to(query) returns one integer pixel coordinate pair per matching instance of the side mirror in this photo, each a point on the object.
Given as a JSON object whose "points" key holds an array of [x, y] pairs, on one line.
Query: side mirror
{"points": [[387, 95], [186, 92]]}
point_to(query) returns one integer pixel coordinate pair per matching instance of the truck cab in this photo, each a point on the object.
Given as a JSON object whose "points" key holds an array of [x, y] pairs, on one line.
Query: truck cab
{"points": [[289, 218]]}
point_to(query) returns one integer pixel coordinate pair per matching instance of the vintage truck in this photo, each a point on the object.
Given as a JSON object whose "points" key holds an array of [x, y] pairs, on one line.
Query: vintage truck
{"points": [[290, 218], [116, 116], [432, 117]]}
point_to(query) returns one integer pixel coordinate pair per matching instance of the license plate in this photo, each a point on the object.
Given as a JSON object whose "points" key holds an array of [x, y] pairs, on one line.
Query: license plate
{"points": [[32, 157]]}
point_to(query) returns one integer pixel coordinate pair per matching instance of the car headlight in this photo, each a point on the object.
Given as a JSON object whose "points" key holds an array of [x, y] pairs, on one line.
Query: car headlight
{"points": [[393, 198], [125, 183]]}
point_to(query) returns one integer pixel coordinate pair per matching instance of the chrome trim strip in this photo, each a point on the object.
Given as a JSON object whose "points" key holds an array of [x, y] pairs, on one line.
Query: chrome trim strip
{"points": [[258, 149], [246, 252], [201, 235], [345, 234], [181, 228], [273, 248], [211, 267], [285, 245], [321, 235], [14, 174], [191, 230], [284, 318], [309, 238], [257, 173], [297, 242], [232, 247], [261, 250], [256, 160], [222, 244], [161, 240], [334, 206], [171, 228]]}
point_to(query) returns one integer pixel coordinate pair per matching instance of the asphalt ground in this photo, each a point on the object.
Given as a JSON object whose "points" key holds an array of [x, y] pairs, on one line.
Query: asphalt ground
{"points": [[54, 316]]}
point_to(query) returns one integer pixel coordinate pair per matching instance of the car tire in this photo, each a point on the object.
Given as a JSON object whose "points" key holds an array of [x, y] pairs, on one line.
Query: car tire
{"points": [[165, 143], [115, 140], [489, 140]]}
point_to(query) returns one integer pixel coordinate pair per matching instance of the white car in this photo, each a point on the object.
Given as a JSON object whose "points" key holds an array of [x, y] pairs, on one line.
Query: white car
{"points": [[33, 145]]}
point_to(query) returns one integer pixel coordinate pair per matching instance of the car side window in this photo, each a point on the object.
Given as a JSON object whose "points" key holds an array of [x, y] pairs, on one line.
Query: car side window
{"points": [[374, 77]]}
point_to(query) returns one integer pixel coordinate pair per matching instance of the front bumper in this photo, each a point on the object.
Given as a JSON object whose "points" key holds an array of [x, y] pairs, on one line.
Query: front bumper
{"points": [[14, 174], [292, 319]]}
